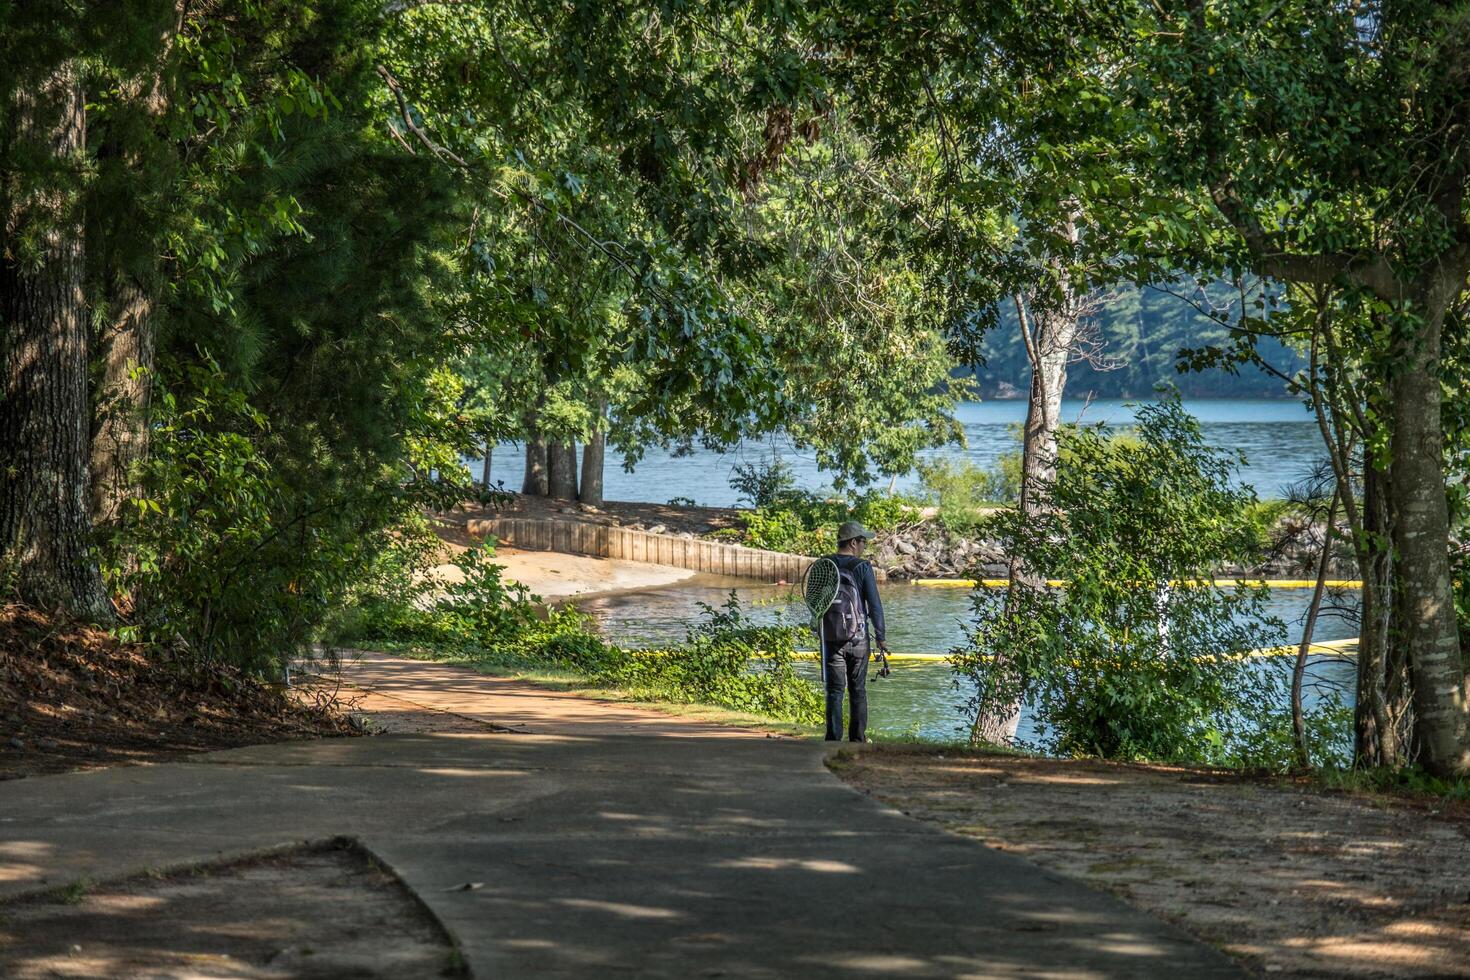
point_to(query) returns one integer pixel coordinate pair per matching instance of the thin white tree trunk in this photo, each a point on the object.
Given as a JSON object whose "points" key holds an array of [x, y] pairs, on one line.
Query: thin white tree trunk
{"points": [[1050, 335]]}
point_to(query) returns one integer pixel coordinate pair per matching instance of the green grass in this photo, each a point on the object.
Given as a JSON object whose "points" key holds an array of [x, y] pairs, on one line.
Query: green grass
{"points": [[1410, 782], [575, 682]]}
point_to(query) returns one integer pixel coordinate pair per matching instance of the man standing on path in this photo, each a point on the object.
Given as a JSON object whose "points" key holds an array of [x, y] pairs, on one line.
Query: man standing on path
{"points": [[846, 643]]}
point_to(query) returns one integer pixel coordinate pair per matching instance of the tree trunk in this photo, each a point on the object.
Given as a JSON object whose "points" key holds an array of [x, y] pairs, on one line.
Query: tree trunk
{"points": [[1050, 343], [593, 461], [1424, 594], [45, 492], [485, 471], [120, 416], [561, 469], [1376, 733], [125, 344], [535, 482], [1055, 338]]}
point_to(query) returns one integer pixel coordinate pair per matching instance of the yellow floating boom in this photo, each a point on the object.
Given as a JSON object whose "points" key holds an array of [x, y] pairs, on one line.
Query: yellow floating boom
{"points": [[1056, 583], [1339, 648]]}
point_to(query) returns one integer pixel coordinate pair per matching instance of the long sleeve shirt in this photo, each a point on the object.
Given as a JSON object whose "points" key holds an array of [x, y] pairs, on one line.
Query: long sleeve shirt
{"points": [[867, 583]]}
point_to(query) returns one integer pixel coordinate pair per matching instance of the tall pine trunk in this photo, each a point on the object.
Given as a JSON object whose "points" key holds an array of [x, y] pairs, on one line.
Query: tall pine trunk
{"points": [[123, 357], [1424, 593], [120, 416], [45, 486]]}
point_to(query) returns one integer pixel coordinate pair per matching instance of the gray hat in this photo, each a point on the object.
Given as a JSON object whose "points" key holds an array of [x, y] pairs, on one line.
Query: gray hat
{"points": [[852, 529]]}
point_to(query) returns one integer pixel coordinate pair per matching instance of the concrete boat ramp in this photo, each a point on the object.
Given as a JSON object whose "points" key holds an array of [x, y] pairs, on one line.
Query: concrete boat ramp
{"points": [[558, 836]]}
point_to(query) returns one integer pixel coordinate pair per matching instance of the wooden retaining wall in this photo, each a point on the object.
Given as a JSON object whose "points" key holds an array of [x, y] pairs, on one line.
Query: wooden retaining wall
{"points": [[602, 541]]}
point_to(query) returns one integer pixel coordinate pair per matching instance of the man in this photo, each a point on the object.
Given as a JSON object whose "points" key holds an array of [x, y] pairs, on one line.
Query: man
{"points": [[845, 657]]}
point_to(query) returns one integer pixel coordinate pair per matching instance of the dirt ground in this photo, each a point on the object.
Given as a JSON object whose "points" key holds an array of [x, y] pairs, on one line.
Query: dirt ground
{"points": [[316, 911], [73, 697], [1292, 880]]}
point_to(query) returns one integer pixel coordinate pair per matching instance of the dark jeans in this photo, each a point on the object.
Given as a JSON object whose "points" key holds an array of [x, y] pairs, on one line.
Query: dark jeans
{"points": [[847, 668]]}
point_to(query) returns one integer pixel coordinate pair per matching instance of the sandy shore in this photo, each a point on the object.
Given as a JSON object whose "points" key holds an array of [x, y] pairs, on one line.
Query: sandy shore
{"points": [[556, 577]]}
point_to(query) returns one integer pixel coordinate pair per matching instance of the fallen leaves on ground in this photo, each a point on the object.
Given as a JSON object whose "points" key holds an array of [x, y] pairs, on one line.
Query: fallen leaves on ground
{"points": [[74, 697]]}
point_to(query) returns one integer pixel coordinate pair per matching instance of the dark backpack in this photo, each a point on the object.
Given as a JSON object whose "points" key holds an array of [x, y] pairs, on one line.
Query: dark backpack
{"points": [[844, 622]]}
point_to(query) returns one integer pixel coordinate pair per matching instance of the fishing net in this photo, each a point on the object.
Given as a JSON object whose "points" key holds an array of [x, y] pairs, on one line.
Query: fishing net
{"points": [[819, 587]]}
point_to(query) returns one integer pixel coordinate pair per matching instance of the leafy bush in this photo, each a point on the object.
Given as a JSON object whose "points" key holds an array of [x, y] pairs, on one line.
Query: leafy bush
{"points": [[481, 614], [725, 660], [785, 529], [1119, 663], [804, 524], [208, 559], [966, 493], [763, 483], [482, 610], [880, 512]]}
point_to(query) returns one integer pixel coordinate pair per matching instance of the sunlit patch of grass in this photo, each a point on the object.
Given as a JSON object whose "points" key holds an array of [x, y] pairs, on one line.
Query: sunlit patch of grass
{"points": [[502, 664]]}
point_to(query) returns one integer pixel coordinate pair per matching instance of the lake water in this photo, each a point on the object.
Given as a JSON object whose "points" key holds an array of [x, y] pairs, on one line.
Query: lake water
{"points": [[1278, 437], [920, 698]]}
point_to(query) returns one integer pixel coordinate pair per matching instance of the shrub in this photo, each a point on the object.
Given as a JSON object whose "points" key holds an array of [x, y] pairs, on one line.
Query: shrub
{"points": [[881, 512], [784, 529], [966, 494], [199, 559], [726, 660], [481, 614], [729, 661], [1119, 663], [763, 483], [804, 524]]}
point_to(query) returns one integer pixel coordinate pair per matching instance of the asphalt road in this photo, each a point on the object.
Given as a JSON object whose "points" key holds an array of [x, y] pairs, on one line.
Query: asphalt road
{"points": [[594, 840]]}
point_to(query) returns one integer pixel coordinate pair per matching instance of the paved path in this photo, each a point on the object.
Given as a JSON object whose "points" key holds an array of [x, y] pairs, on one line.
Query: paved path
{"points": [[600, 840]]}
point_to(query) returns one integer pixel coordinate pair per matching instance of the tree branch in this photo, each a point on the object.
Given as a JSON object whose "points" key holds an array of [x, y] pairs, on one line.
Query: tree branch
{"points": [[448, 155], [1371, 270]]}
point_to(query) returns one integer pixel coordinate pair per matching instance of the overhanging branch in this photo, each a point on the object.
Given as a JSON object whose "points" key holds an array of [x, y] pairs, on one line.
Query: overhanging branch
{"points": [[1371, 270]]}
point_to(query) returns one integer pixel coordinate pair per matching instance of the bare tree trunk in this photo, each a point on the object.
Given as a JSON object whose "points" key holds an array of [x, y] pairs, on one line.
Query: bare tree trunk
{"points": [[535, 483], [593, 461], [1050, 352], [561, 469], [1050, 337], [45, 493], [485, 470], [1424, 592], [120, 416]]}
